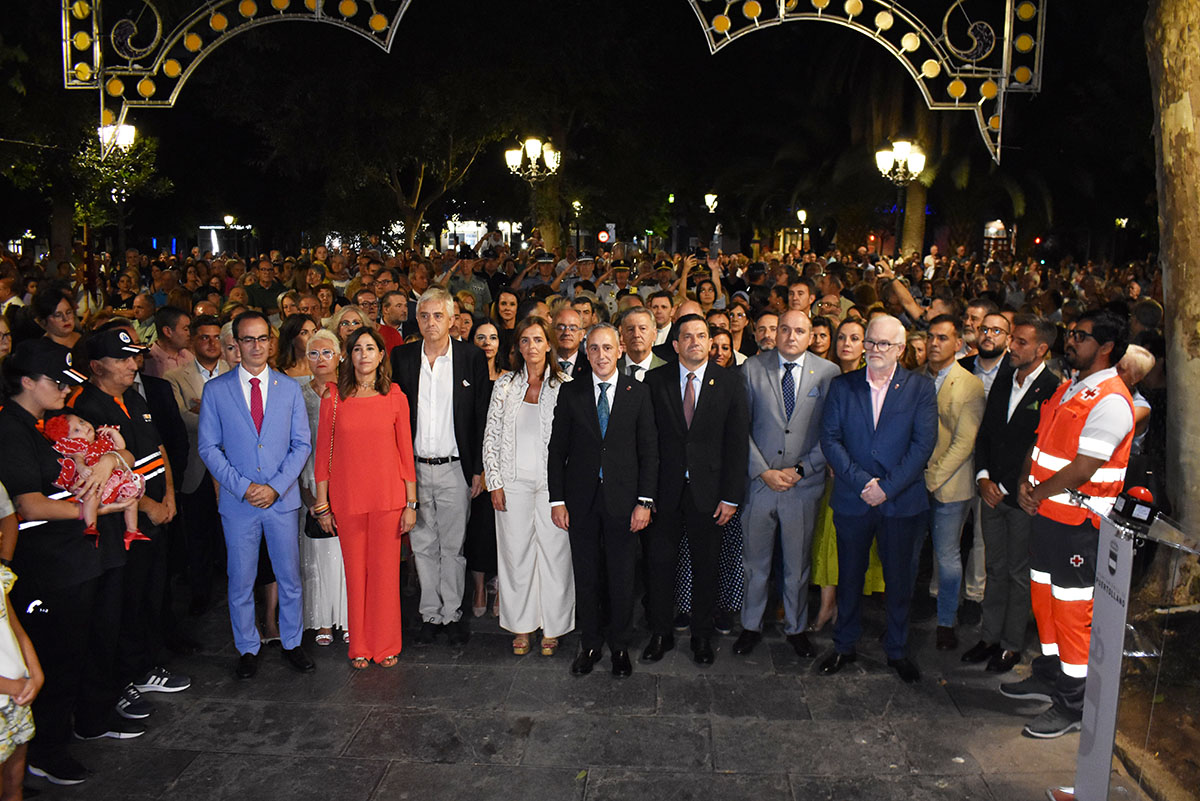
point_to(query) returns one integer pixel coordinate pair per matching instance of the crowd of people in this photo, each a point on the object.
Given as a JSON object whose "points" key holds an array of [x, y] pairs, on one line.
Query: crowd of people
{"points": [[552, 440]]}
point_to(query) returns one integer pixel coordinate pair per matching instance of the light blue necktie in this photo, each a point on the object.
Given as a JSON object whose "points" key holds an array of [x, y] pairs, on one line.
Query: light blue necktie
{"points": [[789, 390], [602, 410]]}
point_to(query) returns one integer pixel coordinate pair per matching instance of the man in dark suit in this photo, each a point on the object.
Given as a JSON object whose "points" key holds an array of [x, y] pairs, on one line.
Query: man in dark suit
{"points": [[1008, 431], [568, 327], [437, 375], [879, 430], [603, 470], [703, 447]]}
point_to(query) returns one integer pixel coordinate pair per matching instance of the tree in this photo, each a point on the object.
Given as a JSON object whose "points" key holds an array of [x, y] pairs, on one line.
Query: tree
{"points": [[106, 186]]}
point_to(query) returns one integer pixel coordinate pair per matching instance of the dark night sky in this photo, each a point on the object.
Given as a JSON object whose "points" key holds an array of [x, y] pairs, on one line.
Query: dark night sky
{"points": [[1086, 137]]}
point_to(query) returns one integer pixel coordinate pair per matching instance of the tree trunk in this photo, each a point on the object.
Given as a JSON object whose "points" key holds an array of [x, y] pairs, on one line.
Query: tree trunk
{"points": [[1173, 52], [914, 218]]}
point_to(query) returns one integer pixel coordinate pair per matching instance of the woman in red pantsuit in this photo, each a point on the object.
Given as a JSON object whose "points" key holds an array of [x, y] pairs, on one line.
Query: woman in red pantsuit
{"points": [[366, 491]]}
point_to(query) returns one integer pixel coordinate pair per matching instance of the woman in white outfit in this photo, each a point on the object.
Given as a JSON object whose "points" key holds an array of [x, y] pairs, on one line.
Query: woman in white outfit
{"points": [[535, 575], [322, 575]]}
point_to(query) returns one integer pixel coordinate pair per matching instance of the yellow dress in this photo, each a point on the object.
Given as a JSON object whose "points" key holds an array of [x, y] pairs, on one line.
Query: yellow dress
{"points": [[16, 722], [824, 551]]}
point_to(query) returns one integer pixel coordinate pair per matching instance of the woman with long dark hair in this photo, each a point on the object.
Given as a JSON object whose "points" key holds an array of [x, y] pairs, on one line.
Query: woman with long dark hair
{"points": [[294, 333], [366, 491], [480, 546]]}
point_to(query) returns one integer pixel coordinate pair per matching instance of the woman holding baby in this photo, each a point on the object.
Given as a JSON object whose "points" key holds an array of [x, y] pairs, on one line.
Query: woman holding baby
{"points": [[57, 567]]}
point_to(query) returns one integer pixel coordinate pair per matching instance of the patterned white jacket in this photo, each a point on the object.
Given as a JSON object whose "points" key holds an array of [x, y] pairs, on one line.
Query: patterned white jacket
{"points": [[500, 435]]}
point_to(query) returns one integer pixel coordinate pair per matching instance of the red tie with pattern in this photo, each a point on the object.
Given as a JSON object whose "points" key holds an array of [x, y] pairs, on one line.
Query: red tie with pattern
{"points": [[256, 409]]}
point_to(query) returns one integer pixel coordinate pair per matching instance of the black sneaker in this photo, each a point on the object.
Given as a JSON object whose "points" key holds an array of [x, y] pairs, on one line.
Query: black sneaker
{"points": [[723, 621], [970, 612], [118, 729], [58, 769], [161, 680], [1030, 689], [1054, 722], [683, 621], [132, 706]]}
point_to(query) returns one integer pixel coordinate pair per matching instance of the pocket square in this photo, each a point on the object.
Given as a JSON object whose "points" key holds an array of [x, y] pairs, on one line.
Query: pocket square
{"points": [[815, 392]]}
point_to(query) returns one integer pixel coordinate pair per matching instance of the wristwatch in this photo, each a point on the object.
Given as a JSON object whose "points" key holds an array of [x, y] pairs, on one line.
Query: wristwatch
{"points": [[414, 505], [646, 504]]}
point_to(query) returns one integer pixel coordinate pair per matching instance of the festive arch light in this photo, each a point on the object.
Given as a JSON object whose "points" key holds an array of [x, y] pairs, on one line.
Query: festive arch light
{"points": [[131, 63], [959, 62]]}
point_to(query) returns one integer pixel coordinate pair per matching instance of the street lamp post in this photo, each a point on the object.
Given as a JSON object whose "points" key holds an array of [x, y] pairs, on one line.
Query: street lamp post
{"points": [[578, 207], [120, 137], [802, 218], [900, 164], [533, 160]]}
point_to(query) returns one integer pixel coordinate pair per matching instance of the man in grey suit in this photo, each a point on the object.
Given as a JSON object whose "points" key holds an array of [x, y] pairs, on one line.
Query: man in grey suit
{"points": [[787, 390], [637, 335]]}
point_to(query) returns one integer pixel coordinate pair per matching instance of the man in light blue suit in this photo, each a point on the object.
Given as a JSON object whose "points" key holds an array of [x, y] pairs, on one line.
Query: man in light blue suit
{"points": [[878, 432], [254, 439], [786, 390]]}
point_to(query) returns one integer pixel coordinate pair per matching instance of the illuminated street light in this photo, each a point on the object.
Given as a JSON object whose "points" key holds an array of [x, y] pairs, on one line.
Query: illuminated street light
{"points": [[900, 164], [228, 218], [533, 160], [120, 136], [710, 200]]}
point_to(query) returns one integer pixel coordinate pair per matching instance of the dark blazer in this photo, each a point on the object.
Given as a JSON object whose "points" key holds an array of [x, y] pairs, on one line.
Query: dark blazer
{"points": [[1002, 444], [1003, 374], [582, 370], [896, 451], [472, 391], [628, 451], [715, 450]]}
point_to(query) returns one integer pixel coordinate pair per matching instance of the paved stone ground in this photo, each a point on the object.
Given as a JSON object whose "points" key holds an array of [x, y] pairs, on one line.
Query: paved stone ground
{"points": [[479, 723]]}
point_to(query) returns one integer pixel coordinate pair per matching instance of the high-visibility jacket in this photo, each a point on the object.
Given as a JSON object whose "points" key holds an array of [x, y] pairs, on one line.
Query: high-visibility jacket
{"points": [[1058, 443]]}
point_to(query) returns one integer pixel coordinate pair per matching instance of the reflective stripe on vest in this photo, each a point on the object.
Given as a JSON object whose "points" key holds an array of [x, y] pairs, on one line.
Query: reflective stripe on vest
{"points": [[1058, 443]]}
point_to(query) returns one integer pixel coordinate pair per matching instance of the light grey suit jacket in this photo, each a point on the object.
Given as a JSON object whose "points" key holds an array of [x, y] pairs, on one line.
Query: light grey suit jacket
{"points": [[775, 442], [188, 386]]}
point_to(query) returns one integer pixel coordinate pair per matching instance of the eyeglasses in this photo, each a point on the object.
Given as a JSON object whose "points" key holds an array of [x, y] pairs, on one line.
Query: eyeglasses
{"points": [[262, 340], [991, 329], [59, 385], [314, 355], [564, 329], [64, 316], [827, 304], [350, 323], [1080, 336], [872, 344]]}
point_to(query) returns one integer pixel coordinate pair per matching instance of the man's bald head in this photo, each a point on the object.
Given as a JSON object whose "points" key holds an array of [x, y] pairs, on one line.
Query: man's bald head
{"points": [[687, 307]]}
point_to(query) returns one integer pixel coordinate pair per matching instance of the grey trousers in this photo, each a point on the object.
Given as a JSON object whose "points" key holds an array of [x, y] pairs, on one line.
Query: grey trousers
{"points": [[1006, 599], [437, 540], [790, 516]]}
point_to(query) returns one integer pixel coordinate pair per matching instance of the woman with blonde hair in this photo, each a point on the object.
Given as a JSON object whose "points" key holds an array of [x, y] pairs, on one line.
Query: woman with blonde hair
{"points": [[536, 579], [347, 320]]}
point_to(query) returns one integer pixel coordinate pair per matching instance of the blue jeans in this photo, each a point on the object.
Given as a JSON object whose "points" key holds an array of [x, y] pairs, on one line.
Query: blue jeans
{"points": [[946, 524]]}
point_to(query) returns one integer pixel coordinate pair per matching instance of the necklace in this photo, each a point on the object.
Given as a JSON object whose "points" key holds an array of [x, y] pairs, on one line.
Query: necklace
{"points": [[368, 386]]}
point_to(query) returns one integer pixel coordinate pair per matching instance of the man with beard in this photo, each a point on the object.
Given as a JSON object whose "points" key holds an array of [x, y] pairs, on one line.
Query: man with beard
{"points": [[973, 321], [988, 364], [1085, 433]]}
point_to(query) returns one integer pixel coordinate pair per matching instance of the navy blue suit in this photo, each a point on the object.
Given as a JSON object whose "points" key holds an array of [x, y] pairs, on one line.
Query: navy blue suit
{"points": [[895, 451]]}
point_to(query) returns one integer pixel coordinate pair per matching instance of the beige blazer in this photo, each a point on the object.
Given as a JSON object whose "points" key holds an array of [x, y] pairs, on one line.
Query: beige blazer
{"points": [[188, 385], [950, 474]]}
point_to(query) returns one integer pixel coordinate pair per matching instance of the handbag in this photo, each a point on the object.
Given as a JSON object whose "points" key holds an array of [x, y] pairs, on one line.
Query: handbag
{"points": [[312, 526]]}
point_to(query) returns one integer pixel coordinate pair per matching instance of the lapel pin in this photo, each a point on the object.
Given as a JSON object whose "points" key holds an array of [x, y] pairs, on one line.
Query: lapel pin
{"points": [[466, 383], [711, 382]]}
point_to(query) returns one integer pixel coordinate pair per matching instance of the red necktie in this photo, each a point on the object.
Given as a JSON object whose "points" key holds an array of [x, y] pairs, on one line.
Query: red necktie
{"points": [[256, 409]]}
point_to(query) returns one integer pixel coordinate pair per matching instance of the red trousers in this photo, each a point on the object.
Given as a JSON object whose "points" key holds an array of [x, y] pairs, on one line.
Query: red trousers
{"points": [[371, 553]]}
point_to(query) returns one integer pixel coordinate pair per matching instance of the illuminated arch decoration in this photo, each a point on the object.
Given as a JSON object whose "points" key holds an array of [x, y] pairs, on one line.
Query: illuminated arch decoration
{"points": [[132, 64], [960, 63]]}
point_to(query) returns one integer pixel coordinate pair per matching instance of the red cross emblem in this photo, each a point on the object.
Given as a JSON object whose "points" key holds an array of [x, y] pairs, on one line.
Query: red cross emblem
{"points": [[1076, 561], [1089, 393]]}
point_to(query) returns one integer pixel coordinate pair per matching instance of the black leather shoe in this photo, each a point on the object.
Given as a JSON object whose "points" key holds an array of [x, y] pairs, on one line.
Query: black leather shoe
{"points": [[801, 645], [970, 612], [620, 664], [906, 669], [657, 647], [428, 632], [947, 640], [457, 632], [1003, 661], [836, 662], [584, 661], [980, 651], [702, 651], [298, 660], [746, 641], [247, 666]]}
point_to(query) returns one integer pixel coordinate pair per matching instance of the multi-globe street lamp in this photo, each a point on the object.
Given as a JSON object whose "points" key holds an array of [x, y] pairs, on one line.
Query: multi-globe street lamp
{"points": [[534, 160], [900, 164]]}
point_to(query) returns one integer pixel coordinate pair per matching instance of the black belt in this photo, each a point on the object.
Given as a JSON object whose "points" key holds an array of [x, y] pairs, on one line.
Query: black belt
{"points": [[438, 460]]}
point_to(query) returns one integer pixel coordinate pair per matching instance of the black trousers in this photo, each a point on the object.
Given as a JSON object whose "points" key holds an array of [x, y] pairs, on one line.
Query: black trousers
{"points": [[203, 541], [662, 558], [143, 593], [74, 631], [604, 556]]}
